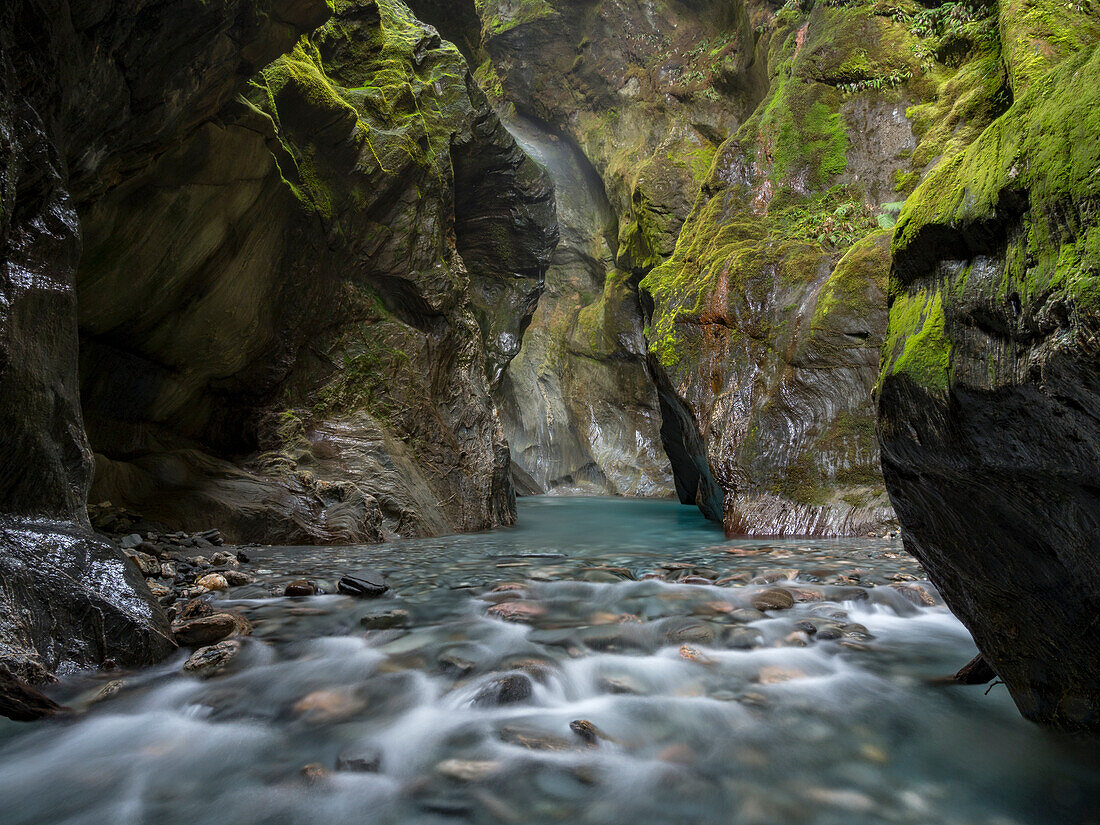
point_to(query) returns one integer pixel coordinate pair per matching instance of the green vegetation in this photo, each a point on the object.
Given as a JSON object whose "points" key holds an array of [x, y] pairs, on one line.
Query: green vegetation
{"points": [[1045, 144], [521, 13], [917, 346]]}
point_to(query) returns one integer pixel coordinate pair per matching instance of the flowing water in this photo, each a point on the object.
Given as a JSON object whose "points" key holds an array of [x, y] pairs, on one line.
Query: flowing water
{"points": [[700, 707]]}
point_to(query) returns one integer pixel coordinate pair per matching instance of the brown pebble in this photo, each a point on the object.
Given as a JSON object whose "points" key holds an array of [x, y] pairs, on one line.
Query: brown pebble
{"points": [[300, 587], [206, 630], [213, 581], [773, 599], [518, 611]]}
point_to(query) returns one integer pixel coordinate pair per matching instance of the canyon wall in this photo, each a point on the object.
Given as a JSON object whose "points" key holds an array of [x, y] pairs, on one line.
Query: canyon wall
{"points": [[762, 279], [283, 276], [89, 92], [772, 278], [292, 322], [248, 280]]}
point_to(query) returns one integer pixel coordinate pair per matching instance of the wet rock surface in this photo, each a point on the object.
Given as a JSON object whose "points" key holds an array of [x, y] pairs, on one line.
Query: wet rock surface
{"points": [[70, 599], [22, 702], [578, 406], [365, 584], [212, 659], [88, 93], [177, 214], [600, 94]]}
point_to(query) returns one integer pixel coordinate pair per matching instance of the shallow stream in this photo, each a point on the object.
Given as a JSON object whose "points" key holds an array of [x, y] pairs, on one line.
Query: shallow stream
{"points": [[669, 699]]}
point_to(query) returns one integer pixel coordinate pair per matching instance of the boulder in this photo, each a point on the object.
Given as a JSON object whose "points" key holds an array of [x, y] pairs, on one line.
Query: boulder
{"points": [[506, 690], [990, 379]]}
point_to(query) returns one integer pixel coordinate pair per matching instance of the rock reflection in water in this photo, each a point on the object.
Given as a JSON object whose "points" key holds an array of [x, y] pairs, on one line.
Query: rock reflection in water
{"points": [[605, 662]]}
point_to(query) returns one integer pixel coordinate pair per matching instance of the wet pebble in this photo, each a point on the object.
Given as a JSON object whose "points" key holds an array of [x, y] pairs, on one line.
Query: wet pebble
{"points": [[147, 564], [159, 591], [533, 739], [773, 599], [698, 633], [370, 762], [237, 578], [212, 659], [314, 773], [206, 630], [328, 705], [366, 584], [587, 732], [618, 686], [300, 587], [517, 611], [452, 664], [213, 581], [468, 770]]}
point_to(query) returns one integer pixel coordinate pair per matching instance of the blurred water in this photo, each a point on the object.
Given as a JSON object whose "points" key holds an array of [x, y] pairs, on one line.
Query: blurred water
{"points": [[708, 711]]}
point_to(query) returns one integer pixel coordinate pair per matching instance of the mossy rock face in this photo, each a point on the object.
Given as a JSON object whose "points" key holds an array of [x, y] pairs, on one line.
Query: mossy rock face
{"points": [[991, 371], [355, 244], [769, 316], [745, 153], [647, 96]]}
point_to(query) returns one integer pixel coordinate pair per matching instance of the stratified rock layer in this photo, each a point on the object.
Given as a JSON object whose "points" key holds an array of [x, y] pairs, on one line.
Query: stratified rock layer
{"points": [[990, 390]]}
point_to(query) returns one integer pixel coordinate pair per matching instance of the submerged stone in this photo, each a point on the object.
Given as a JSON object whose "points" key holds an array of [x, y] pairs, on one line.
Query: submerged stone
{"points": [[506, 690]]}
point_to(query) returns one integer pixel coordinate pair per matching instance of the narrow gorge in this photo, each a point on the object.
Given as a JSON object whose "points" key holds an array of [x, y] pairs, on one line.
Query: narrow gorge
{"points": [[291, 286]]}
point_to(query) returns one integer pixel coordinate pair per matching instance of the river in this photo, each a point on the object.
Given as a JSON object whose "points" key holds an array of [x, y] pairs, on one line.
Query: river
{"points": [[668, 699]]}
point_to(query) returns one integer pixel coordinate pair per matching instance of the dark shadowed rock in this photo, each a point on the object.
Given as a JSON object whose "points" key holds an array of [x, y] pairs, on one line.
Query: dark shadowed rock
{"points": [[975, 672], [366, 584], [97, 91], [990, 386], [23, 703], [300, 587], [320, 391]]}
